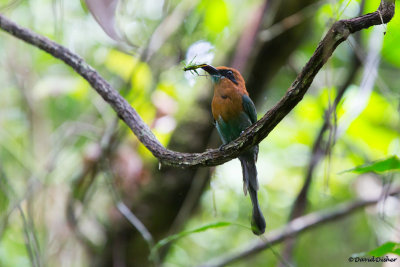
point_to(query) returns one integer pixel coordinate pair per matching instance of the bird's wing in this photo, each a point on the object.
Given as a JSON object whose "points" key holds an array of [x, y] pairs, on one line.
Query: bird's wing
{"points": [[249, 108]]}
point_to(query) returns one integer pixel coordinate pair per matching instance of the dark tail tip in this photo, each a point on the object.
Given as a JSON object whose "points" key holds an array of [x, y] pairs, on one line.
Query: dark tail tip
{"points": [[258, 222], [250, 184]]}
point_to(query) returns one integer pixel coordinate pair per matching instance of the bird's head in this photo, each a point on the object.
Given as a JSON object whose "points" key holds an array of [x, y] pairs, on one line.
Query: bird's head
{"points": [[220, 73], [223, 77]]}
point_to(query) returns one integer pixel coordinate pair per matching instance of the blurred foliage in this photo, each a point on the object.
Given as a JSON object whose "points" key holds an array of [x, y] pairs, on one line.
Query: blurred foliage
{"points": [[389, 164], [50, 119], [382, 250], [172, 238], [388, 247]]}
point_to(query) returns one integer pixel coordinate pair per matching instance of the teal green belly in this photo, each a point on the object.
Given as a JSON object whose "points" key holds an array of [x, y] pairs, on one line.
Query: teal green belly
{"points": [[231, 129]]}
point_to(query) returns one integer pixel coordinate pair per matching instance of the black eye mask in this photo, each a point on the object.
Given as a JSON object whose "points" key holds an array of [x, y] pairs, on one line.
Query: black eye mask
{"points": [[228, 74]]}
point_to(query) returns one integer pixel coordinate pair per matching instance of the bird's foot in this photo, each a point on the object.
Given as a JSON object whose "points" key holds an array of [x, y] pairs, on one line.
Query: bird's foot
{"points": [[222, 147]]}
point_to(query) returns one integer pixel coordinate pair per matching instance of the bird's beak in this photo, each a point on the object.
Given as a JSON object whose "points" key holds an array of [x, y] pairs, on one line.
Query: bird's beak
{"points": [[210, 69], [216, 74]]}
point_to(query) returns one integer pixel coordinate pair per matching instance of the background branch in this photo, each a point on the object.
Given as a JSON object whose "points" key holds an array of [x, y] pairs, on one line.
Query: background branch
{"points": [[321, 147], [254, 134], [319, 150], [296, 227]]}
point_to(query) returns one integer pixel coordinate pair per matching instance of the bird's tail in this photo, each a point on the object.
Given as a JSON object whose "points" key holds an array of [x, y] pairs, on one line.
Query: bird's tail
{"points": [[250, 184]]}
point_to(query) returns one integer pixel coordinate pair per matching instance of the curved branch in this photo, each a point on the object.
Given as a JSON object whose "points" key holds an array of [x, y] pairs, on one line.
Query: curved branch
{"points": [[295, 227], [253, 135]]}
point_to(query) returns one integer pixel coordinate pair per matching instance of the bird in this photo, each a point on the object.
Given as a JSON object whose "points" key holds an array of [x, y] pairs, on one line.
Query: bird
{"points": [[233, 112]]}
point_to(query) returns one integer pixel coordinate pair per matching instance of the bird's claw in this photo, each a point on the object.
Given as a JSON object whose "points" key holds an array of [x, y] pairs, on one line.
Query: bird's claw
{"points": [[222, 147]]}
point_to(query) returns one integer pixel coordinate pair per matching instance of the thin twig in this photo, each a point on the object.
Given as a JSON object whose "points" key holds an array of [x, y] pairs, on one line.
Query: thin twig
{"points": [[127, 213], [32, 250], [319, 150], [295, 227], [132, 218], [359, 102], [289, 22], [254, 134]]}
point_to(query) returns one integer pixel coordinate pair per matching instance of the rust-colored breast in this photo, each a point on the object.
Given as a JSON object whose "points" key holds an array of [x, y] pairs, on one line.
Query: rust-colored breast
{"points": [[227, 100]]}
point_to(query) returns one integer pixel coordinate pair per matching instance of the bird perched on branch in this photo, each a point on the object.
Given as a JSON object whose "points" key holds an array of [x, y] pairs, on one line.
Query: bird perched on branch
{"points": [[233, 112]]}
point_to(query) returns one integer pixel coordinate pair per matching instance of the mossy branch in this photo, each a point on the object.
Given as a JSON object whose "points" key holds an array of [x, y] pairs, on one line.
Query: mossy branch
{"points": [[338, 33]]}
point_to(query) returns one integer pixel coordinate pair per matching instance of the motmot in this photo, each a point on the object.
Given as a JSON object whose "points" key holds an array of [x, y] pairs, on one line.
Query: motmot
{"points": [[233, 111]]}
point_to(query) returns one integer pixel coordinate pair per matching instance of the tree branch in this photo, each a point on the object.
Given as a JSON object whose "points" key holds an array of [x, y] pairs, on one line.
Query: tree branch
{"points": [[254, 134], [295, 227], [320, 149]]}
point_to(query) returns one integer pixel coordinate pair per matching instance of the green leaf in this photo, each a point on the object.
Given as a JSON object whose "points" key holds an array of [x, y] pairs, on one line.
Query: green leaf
{"points": [[389, 164], [388, 247], [203, 228]]}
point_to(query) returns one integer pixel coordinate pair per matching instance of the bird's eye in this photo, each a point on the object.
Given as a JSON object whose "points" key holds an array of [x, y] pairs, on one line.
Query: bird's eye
{"points": [[230, 72]]}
